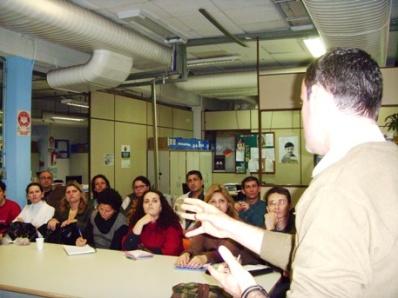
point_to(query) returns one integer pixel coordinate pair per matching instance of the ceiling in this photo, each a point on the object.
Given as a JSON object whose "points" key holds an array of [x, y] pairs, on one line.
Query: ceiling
{"points": [[280, 26]]}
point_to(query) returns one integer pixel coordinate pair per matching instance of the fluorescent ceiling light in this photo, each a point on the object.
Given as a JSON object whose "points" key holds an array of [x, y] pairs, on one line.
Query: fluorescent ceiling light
{"points": [[75, 103], [315, 46], [213, 60], [62, 117], [67, 118]]}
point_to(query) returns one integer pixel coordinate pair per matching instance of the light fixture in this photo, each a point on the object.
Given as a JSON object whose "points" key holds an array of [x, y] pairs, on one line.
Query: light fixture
{"points": [[315, 46], [67, 118], [150, 26], [75, 103], [50, 117], [213, 60]]}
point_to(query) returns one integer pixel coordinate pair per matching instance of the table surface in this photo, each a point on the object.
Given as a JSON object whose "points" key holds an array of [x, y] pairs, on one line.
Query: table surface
{"points": [[107, 273]]}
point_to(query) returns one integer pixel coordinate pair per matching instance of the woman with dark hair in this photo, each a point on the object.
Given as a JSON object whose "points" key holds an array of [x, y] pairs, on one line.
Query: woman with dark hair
{"points": [[107, 225], [279, 216], [99, 183], [204, 248], [154, 226], [70, 218], [140, 186], [38, 212]]}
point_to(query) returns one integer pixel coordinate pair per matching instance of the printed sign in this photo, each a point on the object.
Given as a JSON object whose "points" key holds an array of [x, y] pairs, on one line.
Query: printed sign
{"points": [[24, 123]]}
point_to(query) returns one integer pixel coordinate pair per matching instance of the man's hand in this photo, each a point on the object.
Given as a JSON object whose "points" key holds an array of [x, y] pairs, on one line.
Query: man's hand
{"points": [[214, 221], [233, 278]]}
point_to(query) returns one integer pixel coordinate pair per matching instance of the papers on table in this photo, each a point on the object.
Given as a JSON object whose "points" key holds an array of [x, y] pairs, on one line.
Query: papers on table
{"points": [[78, 250], [138, 254]]}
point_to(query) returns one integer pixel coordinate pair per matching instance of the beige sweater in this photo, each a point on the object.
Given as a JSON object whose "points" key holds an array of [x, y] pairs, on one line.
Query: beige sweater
{"points": [[347, 229]]}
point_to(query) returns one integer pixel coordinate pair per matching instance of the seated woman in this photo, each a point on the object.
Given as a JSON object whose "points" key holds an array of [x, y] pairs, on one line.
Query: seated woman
{"points": [[203, 248], [98, 184], [154, 226], [107, 225], [70, 218], [37, 213], [140, 186], [279, 216]]}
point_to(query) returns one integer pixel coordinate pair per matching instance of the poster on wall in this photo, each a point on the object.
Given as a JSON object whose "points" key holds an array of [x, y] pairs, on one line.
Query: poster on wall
{"points": [[24, 123], [248, 155], [288, 150], [125, 153], [244, 161], [109, 159], [225, 146]]}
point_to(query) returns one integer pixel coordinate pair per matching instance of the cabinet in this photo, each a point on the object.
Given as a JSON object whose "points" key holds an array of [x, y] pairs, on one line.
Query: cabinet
{"points": [[173, 166]]}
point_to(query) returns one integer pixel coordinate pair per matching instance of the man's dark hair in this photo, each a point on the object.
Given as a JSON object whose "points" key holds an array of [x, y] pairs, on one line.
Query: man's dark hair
{"points": [[3, 186], [44, 171], [279, 190], [248, 179], [289, 144], [352, 77], [193, 172]]}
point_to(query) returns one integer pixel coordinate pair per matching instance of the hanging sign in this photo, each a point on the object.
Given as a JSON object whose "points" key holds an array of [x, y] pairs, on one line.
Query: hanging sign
{"points": [[24, 123]]}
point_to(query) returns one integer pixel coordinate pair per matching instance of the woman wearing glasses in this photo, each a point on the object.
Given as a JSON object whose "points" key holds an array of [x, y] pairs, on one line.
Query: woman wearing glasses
{"points": [[279, 216]]}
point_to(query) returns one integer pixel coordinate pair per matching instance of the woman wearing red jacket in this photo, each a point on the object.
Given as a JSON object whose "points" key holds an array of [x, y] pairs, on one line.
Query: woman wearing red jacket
{"points": [[154, 227]]}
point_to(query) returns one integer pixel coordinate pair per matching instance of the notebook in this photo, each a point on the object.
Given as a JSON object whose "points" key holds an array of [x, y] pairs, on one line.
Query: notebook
{"points": [[138, 254], [72, 250]]}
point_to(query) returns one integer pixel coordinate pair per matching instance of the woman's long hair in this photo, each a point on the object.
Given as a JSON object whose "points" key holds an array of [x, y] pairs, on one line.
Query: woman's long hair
{"points": [[64, 204], [221, 189], [167, 216]]}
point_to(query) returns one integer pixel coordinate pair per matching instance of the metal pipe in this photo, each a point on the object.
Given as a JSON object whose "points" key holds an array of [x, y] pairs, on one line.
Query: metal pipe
{"points": [[155, 135]]}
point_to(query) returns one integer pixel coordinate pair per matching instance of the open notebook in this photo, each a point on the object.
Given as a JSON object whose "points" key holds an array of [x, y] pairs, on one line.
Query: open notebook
{"points": [[72, 250]]}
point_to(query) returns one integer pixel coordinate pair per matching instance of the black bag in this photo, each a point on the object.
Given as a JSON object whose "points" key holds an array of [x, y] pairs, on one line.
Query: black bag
{"points": [[22, 230], [66, 235]]}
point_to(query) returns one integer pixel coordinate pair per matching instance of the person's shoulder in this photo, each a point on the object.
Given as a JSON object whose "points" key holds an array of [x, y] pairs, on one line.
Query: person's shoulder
{"points": [[11, 203]]}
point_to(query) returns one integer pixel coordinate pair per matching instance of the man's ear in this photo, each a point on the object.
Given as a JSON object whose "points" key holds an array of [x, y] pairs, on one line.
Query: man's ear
{"points": [[322, 97]]}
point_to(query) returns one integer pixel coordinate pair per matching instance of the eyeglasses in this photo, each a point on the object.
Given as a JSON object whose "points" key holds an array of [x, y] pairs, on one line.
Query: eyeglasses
{"points": [[139, 186], [281, 202]]}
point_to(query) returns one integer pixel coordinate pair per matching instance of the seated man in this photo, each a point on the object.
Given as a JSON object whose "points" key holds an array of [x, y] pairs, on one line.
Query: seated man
{"points": [[52, 193], [195, 184], [252, 209], [9, 210]]}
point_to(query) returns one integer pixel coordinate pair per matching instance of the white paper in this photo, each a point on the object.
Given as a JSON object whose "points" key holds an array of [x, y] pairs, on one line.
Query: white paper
{"points": [[72, 250]]}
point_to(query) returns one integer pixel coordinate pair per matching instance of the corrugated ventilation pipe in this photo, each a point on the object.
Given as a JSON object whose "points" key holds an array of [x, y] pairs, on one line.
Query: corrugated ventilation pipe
{"points": [[68, 24], [105, 69], [352, 23]]}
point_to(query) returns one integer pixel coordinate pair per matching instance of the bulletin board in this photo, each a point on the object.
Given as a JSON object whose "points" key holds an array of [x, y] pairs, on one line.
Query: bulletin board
{"points": [[247, 153]]}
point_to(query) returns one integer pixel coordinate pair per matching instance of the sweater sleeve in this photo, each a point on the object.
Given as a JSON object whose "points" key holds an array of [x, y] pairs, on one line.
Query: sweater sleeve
{"points": [[116, 243], [213, 255], [130, 241], [276, 248], [172, 245], [88, 234]]}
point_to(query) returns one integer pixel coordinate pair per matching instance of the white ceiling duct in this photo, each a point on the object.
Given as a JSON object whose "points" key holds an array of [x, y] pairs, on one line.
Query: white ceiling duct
{"points": [[71, 25], [228, 81], [351, 23], [104, 70]]}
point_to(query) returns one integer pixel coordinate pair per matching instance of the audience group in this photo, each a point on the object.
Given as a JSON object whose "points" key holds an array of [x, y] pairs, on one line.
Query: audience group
{"points": [[143, 220]]}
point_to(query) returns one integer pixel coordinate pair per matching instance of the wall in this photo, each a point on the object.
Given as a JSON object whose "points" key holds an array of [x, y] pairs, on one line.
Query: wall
{"points": [[76, 164], [117, 120], [280, 105]]}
